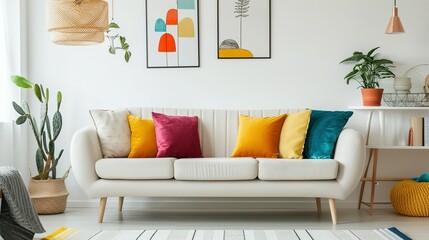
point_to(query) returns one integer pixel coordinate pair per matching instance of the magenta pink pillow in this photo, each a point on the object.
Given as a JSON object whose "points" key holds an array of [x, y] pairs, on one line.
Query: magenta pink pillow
{"points": [[177, 136]]}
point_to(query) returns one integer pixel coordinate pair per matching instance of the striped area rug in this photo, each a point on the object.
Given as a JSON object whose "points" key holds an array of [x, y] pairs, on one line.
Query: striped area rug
{"points": [[376, 234]]}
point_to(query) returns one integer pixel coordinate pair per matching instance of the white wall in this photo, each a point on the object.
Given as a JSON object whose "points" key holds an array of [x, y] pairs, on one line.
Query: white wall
{"points": [[309, 39]]}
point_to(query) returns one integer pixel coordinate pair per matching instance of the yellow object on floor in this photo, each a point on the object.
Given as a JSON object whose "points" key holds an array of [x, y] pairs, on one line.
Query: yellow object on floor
{"points": [[411, 198], [60, 234]]}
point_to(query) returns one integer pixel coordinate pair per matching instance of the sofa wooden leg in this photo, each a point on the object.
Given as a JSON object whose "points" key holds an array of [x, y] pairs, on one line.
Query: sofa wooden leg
{"points": [[319, 206], [120, 203], [333, 210], [103, 202]]}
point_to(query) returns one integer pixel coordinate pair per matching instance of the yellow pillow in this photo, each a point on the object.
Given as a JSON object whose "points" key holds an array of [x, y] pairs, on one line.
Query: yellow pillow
{"points": [[292, 137], [258, 137], [143, 138]]}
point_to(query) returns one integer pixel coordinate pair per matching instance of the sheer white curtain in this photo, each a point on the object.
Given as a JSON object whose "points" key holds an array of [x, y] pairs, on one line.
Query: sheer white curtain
{"points": [[13, 143], [5, 88]]}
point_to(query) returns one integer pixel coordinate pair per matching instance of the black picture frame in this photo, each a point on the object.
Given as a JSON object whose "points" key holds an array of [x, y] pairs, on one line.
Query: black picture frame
{"points": [[155, 37], [227, 14]]}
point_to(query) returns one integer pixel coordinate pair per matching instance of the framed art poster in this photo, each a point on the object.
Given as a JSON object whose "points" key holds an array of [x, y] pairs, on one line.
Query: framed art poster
{"points": [[172, 33], [244, 28]]}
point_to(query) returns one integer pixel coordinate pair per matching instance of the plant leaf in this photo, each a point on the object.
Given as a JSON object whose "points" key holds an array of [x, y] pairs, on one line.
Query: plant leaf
{"points": [[47, 94], [35, 128], [122, 39], [54, 170], [43, 91], [57, 123], [18, 108], [372, 51], [43, 115], [113, 25], [127, 56], [48, 127], [21, 82], [37, 92], [59, 100], [51, 147], [39, 161], [383, 61], [59, 156], [354, 58], [45, 146], [26, 108], [21, 120]]}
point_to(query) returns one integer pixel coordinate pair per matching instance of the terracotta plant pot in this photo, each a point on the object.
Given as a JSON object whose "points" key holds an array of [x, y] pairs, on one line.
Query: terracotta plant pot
{"points": [[48, 196], [372, 96]]}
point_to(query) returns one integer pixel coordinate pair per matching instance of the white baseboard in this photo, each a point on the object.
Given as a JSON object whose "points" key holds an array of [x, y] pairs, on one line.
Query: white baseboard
{"points": [[214, 204]]}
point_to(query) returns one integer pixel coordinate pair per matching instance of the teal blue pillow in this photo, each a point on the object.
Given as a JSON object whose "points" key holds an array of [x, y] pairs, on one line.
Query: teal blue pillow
{"points": [[323, 132], [423, 178]]}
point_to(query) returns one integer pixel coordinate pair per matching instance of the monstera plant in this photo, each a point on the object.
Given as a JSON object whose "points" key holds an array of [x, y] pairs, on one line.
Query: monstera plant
{"points": [[45, 131]]}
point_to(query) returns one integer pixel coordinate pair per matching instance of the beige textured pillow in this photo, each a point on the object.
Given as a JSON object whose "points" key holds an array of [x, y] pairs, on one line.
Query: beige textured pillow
{"points": [[113, 132]]}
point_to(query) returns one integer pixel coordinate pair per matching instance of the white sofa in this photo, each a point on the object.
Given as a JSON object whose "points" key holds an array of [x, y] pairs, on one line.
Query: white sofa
{"points": [[216, 175]]}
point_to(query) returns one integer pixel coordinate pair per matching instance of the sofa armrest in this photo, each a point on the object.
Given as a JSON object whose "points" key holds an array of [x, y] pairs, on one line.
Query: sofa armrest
{"points": [[85, 150], [350, 153]]}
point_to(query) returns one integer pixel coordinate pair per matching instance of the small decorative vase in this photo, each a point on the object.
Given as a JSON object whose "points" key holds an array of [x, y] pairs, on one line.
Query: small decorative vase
{"points": [[372, 96], [402, 84]]}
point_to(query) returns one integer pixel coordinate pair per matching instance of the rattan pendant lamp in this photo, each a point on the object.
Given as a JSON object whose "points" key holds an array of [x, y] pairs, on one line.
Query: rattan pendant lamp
{"points": [[395, 25], [77, 22]]}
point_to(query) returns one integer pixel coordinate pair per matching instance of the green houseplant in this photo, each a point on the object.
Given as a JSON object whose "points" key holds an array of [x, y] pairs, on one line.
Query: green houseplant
{"points": [[112, 36], [48, 192], [368, 71]]}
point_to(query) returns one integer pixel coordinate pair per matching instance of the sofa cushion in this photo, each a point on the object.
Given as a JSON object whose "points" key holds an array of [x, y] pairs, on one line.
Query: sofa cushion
{"points": [[258, 137], [324, 129], [177, 136], [113, 132], [292, 137], [216, 169], [143, 138], [296, 169], [135, 168]]}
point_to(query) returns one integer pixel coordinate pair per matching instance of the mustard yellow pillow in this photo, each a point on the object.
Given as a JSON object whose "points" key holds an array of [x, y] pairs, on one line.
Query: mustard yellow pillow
{"points": [[143, 138], [292, 137], [258, 137]]}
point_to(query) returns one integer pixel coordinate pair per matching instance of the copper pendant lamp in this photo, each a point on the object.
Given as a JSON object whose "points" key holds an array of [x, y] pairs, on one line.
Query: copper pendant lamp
{"points": [[77, 22], [395, 25]]}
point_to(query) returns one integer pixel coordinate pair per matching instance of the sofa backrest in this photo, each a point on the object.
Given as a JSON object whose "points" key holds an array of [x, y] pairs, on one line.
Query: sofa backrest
{"points": [[217, 128]]}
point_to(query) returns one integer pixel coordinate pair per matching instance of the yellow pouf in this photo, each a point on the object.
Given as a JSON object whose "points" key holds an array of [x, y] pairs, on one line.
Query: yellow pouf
{"points": [[411, 198]]}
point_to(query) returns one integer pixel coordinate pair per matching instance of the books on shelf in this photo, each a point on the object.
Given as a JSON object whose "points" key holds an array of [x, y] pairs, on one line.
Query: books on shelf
{"points": [[419, 132], [426, 131]]}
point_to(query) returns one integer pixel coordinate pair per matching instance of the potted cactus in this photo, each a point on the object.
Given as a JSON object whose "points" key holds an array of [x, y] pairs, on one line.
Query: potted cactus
{"points": [[48, 193]]}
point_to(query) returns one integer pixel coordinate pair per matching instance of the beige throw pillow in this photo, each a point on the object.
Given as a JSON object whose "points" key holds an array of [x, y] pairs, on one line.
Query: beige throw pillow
{"points": [[113, 132]]}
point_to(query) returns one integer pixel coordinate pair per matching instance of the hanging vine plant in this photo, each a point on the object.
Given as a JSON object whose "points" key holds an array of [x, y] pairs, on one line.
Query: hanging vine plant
{"points": [[124, 46], [113, 37]]}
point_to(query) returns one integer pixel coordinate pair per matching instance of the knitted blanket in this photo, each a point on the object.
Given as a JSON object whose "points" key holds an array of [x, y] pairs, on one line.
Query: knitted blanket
{"points": [[18, 218]]}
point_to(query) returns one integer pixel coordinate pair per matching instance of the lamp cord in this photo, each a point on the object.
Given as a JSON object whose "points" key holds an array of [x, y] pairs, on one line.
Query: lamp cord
{"points": [[113, 11], [394, 2]]}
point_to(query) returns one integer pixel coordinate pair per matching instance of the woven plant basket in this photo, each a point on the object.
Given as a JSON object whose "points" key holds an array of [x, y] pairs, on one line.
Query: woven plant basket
{"points": [[48, 196]]}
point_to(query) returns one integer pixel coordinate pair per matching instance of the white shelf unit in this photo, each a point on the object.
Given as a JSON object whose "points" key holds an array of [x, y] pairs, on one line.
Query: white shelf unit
{"points": [[387, 147], [374, 149]]}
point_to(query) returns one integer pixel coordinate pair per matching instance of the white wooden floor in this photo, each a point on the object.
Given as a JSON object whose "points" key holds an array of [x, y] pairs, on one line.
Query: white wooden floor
{"points": [[86, 219]]}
